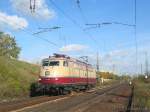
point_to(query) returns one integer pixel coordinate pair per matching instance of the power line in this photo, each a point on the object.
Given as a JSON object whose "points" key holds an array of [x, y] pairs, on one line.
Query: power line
{"points": [[124, 24], [81, 12], [32, 8], [98, 25], [46, 40], [30, 33], [85, 21], [62, 36], [73, 21], [66, 15], [42, 30]]}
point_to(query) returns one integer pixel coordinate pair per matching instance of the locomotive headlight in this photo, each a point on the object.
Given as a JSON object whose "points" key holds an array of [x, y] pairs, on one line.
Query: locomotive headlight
{"points": [[47, 73]]}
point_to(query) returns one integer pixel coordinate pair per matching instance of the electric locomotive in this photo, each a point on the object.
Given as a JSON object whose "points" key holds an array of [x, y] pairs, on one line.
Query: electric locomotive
{"points": [[61, 73]]}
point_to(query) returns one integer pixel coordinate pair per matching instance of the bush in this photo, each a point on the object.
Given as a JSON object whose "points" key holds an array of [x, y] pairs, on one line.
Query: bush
{"points": [[8, 46]]}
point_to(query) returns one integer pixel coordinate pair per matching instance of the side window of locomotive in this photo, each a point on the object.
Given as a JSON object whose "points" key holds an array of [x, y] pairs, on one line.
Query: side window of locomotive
{"points": [[45, 63], [65, 63], [54, 63]]}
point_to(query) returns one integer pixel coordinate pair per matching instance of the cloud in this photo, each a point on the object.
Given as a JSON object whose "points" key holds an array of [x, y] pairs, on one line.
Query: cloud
{"points": [[119, 53], [122, 61], [125, 59], [73, 47], [12, 21], [41, 9]]}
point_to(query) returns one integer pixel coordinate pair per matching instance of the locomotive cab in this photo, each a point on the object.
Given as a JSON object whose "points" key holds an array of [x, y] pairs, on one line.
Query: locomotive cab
{"points": [[49, 67], [52, 71]]}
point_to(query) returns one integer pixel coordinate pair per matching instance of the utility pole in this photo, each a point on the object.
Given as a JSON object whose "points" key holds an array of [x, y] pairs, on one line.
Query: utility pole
{"points": [[146, 64], [97, 64], [113, 68], [141, 69], [135, 35]]}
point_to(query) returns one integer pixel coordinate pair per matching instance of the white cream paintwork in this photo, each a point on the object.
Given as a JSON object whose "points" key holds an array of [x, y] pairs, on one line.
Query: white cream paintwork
{"points": [[70, 71]]}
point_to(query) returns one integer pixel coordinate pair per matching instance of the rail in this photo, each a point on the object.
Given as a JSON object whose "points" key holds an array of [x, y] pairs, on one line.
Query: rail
{"points": [[129, 107]]}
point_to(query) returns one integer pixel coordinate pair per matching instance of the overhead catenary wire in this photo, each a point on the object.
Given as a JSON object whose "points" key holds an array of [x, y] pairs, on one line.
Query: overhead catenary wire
{"points": [[66, 15], [46, 40], [131, 25], [88, 28], [62, 38], [43, 39], [73, 21], [78, 25], [98, 25], [42, 30], [85, 21], [61, 34], [29, 32], [81, 12], [36, 13], [46, 29]]}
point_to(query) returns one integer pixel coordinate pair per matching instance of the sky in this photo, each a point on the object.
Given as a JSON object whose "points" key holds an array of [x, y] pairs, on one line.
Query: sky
{"points": [[115, 43]]}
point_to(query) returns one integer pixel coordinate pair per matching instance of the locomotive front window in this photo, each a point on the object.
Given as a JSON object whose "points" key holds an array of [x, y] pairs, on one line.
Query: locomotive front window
{"points": [[54, 63], [45, 63]]}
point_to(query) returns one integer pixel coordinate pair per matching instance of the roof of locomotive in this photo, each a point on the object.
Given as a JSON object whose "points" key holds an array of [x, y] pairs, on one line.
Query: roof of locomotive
{"points": [[65, 57]]}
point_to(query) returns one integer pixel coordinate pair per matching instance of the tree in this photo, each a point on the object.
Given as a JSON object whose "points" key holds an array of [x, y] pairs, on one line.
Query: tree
{"points": [[8, 46]]}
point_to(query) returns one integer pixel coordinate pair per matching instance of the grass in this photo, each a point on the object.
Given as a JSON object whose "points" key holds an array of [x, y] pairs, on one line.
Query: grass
{"points": [[16, 77], [142, 93]]}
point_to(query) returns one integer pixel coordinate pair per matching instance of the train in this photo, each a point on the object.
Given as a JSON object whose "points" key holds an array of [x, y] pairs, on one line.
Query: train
{"points": [[62, 74]]}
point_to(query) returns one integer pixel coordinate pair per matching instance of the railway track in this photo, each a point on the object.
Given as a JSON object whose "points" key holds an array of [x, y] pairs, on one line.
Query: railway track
{"points": [[112, 100], [129, 107], [15, 105], [45, 100]]}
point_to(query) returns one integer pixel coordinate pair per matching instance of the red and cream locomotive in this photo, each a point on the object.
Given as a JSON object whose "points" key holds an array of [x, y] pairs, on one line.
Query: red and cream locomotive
{"points": [[62, 73]]}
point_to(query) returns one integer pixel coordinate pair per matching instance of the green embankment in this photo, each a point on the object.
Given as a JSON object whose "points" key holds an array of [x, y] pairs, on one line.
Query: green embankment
{"points": [[16, 77]]}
